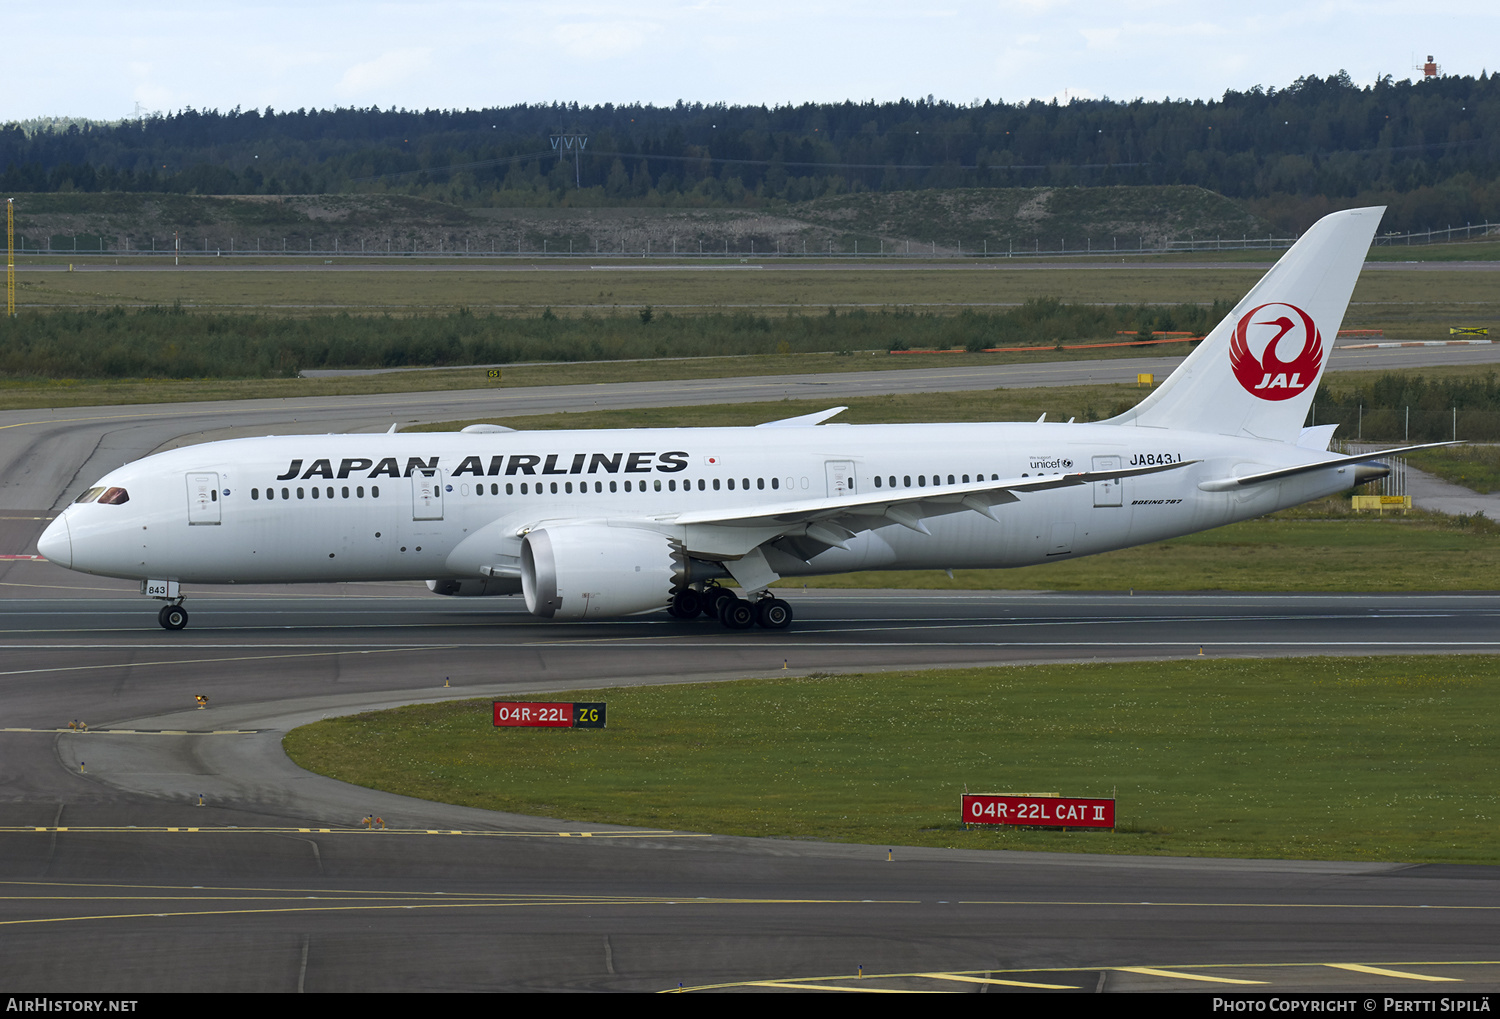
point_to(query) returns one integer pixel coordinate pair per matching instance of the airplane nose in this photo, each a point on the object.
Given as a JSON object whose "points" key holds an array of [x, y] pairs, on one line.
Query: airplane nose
{"points": [[56, 543]]}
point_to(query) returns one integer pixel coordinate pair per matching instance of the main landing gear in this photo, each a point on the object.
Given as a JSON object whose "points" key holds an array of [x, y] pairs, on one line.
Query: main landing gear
{"points": [[733, 612]]}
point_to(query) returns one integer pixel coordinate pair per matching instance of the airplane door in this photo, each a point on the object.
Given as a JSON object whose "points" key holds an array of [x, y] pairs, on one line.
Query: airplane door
{"points": [[427, 494], [203, 498], [840, 477], [1109, 493]]}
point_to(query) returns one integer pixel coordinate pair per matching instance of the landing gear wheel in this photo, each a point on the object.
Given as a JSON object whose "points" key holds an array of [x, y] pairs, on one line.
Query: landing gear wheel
{"points": [[773, 614], [714, 600], [172, 617], [686, 604], [737, 614]]}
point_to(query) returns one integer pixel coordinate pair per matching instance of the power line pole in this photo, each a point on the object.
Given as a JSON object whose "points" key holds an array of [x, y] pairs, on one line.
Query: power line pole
{"points": [[574, 143], [10, 258]]}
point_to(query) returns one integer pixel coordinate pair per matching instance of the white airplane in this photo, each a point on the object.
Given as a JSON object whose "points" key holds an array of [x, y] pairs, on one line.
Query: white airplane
{"points": [[587, 524]]}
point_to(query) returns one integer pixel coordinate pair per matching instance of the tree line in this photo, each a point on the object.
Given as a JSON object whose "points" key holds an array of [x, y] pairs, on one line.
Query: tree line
{"points": [[1430, 149], [1400, 406], [169, 343]]}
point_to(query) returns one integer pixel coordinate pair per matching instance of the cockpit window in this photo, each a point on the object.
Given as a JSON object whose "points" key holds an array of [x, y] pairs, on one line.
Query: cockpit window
{"points": [[115, 496], [90, 495]]}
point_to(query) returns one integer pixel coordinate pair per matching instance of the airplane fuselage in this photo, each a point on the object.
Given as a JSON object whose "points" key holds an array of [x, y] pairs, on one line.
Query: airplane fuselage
{"points": [[400, 507]]}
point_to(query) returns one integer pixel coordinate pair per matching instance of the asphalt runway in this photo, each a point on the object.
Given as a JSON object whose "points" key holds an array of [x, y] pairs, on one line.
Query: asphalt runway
{"points": [[114, 879]]}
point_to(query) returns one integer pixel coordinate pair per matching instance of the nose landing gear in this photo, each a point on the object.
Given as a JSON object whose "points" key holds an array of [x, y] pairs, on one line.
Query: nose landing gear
{"points": [[172, 615]]}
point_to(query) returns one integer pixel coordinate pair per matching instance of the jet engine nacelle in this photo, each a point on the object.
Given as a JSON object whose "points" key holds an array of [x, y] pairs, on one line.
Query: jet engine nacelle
{"points": [[581, 571]]}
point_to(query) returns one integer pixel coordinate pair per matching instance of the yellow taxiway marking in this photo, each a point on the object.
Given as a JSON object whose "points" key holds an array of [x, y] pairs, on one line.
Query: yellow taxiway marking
{"points": [[1380, 971], [148, 829], [995, 980], [141, 732], [321, 904], [983, 976], [358, 897], [94, 417], [313, 893], [232, 658], [823, 987], [1151, 972], [435, 898]]}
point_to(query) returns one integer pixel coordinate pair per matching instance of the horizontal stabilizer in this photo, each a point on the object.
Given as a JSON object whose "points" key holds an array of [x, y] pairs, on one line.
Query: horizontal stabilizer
{"points": [[1230, 484], [1317, 436]]}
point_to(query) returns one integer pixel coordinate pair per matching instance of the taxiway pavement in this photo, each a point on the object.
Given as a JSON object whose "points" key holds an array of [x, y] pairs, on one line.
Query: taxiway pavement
{"points": [[115, 878]]}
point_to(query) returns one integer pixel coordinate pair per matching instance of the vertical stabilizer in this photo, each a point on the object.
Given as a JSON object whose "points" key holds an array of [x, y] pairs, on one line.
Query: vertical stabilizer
{"points": [[1256, 373]]}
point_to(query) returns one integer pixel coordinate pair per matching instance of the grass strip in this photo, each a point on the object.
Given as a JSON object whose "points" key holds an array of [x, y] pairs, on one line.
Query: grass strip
{"points": [[1059, 402], [608, 286], [23, 392], [1313, 758], [1083, 402], [26, 392]]}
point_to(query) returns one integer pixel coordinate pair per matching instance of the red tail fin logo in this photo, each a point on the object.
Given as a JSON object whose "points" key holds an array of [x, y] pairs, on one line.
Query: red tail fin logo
{"points": [[1276, 330]]}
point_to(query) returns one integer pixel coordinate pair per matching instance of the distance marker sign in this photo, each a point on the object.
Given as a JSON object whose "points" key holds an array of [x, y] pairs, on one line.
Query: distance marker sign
{"points": [[1043, 811], [550, 715]]}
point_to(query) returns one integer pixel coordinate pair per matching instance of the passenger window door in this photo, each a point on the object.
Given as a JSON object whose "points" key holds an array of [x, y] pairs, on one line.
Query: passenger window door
{"points": [[427, 494], [203, 498], [1108, 493]]}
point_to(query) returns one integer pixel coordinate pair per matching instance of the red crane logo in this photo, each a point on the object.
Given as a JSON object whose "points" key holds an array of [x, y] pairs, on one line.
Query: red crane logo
{"points": [[1275, 328]]}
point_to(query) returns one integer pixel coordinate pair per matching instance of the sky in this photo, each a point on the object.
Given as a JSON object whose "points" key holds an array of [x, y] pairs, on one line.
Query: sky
{"points": [[108, 60]]}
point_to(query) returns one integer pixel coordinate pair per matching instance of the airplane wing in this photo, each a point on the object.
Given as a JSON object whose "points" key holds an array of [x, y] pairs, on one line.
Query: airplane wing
{"points": [[831, 522], [803, 420]]}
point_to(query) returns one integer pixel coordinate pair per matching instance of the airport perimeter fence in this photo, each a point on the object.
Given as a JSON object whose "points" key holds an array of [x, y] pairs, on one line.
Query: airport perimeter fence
{"points": [[1409, 424], [1058, 247]]}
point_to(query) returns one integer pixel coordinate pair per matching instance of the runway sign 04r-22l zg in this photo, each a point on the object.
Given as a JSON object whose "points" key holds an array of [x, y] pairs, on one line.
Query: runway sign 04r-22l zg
{"points": [[1045, 811], [556, 716]]}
